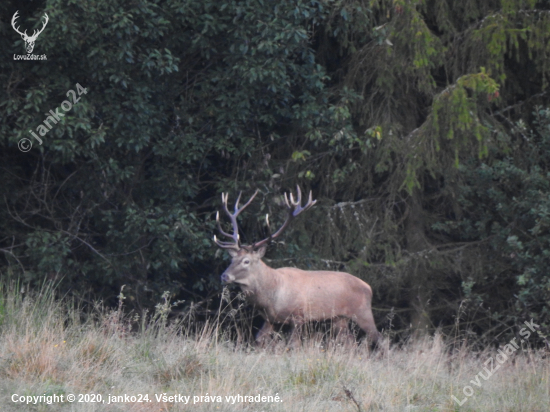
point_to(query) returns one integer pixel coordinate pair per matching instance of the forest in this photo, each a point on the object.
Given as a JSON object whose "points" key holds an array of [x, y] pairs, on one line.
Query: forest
{"points": [[422, 128]]}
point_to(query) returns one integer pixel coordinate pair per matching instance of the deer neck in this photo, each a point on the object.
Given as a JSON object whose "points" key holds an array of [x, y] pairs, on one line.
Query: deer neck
{"points": [[261, 290]]}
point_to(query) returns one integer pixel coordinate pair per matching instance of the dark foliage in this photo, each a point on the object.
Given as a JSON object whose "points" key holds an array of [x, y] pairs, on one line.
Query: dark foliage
{"points": [[411, 121]]}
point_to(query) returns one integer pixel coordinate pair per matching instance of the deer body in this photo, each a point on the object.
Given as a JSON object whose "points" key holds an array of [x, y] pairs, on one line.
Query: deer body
{"points": [[294, 296]]}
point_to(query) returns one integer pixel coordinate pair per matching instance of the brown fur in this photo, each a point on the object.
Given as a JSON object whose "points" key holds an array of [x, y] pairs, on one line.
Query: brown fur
{"points": [[295, 296]]}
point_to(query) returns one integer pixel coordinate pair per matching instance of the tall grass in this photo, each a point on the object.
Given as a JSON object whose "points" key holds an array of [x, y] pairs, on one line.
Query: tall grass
{"points": [[48, 347]]}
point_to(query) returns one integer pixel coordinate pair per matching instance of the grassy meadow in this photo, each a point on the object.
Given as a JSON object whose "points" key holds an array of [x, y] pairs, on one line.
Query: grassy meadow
{"points": [[48, 348]]}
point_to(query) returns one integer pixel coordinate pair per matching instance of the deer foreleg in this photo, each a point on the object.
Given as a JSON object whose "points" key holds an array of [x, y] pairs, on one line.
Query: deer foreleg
{"points": [[263, 335], [295, 334]]}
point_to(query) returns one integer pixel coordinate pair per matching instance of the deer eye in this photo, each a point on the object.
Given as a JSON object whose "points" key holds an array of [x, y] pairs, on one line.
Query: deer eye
{"points": [[246, 261]]}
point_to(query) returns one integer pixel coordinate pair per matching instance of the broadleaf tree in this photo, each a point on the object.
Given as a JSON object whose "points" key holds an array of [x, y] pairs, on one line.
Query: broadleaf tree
{"points": [[407, 119]]}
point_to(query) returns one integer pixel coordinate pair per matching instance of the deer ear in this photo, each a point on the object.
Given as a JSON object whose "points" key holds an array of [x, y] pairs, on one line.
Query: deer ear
{"points": [[233, 252], [261, 251]]}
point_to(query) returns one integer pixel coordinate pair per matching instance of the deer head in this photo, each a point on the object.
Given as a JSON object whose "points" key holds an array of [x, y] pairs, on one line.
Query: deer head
{"points": [[247, 257], [29, 40]]}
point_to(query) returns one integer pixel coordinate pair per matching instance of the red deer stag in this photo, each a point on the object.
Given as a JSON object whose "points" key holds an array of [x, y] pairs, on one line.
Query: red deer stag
{"points": [[290, 295]]}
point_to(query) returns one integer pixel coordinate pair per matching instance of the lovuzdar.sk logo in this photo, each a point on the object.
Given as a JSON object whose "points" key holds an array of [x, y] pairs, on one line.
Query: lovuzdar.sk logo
{"points": [[29, 40]]}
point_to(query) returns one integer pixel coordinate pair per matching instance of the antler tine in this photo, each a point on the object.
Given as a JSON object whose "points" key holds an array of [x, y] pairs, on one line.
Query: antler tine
{"points": [[235, 244], [46, 20], [225, 245], [237, 202], [220, 227], [286, 200], [235, 236], [13, 19], [310, 200], [36, 32], [225, 198], [294, 209], [298, 204], [224, 201], [246, 204], [298, 197]]}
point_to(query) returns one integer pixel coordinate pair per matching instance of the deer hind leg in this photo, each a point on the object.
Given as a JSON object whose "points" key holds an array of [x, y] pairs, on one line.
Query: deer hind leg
{"points": [[263, 337]]}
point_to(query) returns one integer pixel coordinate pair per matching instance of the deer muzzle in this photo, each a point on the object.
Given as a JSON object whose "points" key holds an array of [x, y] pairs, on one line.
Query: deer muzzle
{"points": [[227, 278]]}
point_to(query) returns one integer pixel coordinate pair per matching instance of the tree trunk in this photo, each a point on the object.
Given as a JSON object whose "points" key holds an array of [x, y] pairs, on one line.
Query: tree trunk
{"points": [[419, 287]]}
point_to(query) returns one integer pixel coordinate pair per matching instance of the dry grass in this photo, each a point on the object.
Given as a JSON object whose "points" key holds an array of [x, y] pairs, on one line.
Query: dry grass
{"points": [[46, 349]]}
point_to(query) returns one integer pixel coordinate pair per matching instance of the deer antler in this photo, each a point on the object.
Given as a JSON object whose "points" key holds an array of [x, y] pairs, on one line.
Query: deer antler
{"points": [[15, 16], [233, 217], [29, 40], [294, 209], [35, 34]]}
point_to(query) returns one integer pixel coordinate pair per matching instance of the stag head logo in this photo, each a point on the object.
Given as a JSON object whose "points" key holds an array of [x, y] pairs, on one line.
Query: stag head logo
{"points": [[29, 40]]}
